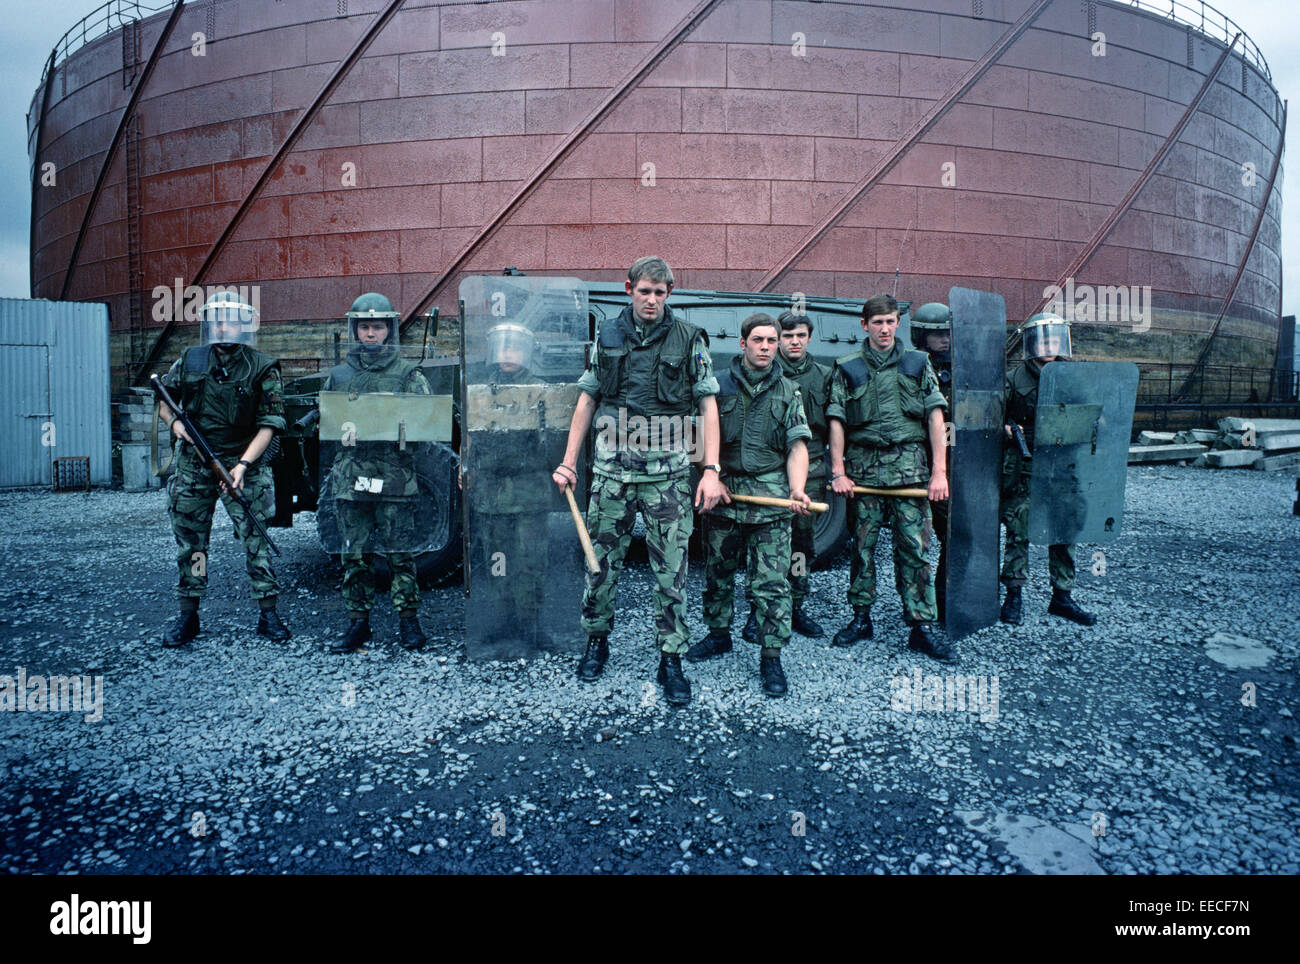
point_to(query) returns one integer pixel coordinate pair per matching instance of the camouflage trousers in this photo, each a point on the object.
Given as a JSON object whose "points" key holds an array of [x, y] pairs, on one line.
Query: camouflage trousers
{"points": [[192, 494], [367, 528], [665, 505], [803, 543], [765, 547], [910, 521], [1014, 513]]}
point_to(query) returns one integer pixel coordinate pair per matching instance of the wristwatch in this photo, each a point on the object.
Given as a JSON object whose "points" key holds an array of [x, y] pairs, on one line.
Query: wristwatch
{"points": [[245, 463], [716, 468]]}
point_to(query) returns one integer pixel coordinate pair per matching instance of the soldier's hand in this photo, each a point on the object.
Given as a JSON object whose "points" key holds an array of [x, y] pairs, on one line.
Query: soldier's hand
{"points": [[939, 486], [843, 486], [799, 501], [710, 492], [1007, 429], [563, 477], [178, 430]]}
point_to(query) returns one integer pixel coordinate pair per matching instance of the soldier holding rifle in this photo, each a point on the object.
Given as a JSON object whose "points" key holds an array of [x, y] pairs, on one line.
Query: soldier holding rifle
{"points": [[232, 395]]}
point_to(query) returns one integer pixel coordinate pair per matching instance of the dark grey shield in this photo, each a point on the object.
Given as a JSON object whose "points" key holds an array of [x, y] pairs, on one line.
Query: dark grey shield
{"points": [[1081, 438], [523, 560], [979, 325]]}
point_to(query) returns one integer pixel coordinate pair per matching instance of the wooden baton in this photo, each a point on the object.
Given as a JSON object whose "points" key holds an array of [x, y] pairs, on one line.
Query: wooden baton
{"points": [[905, 493], [778, 503], [588, 549]]}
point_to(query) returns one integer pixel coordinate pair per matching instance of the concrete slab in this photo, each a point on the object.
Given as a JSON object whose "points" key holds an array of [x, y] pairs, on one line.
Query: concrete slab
{"points": [[1040, 847], [1163, 453], [1238, 652], [1233, 458]]}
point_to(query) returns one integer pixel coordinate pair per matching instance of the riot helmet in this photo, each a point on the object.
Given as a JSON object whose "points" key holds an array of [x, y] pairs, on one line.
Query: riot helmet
{"points": [[372, 325], [226, 319], [510, 347], [932, 322], [1045, 336]]}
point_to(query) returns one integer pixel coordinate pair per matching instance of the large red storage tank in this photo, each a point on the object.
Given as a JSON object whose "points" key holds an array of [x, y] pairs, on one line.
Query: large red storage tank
{"points": [[761, 117]]}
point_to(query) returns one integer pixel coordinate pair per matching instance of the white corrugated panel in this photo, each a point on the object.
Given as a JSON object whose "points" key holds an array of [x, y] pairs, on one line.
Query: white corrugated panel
{"points": [[54, 389]]}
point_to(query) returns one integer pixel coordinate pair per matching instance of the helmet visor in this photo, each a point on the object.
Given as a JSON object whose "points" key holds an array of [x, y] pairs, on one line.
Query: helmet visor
{"points": [[1049, 339], [510, 347], [228, 323]]}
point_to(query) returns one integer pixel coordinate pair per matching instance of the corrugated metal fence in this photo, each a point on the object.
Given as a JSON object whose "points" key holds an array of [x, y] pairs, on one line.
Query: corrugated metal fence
{"points": [[54, 389]]}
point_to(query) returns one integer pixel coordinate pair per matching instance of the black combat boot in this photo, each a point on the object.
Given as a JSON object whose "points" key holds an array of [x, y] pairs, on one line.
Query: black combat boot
{"points": [[750, 633], [1065, 607], [769, 668], [270, 626], [1011, 607], [593, 660], [923, 641], [715, 644], [857, 630], [677, 688], [183, 628], [358, 634], [410, 634], [805, 625]]}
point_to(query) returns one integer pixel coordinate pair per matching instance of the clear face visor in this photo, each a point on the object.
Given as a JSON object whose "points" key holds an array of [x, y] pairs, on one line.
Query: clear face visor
{"points": [[510, 347], [1048, 340], [228, 323], [372, 332]]}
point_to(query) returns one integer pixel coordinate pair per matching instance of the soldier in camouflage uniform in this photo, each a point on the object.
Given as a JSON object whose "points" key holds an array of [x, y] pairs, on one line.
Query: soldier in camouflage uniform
{"points": [[765, 453], [883, 399], [649, 372], [385, 518], [932, 332], [233, 395], [1046, 339]]}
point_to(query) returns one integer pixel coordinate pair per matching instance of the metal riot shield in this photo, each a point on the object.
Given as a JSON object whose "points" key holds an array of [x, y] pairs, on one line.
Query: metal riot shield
{"points": [[1080, 466], [383, 458], [524, 343], [979, 333]]}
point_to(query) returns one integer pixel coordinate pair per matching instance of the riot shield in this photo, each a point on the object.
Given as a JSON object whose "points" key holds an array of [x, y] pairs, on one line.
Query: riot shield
{"points": [[979, 326], [1080, 466], [383, 456], [524, 343]]}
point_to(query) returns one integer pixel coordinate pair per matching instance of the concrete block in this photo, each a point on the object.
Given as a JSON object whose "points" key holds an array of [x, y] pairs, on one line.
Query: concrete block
{"points": [[1289, 460], [1163, 453], [1261, 425], [1156, 438], [1278, 441], [136, 474], [1233, 458]]}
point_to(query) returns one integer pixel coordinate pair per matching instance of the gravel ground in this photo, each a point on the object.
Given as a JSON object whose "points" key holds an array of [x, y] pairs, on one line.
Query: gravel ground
{"points": [[1161, 740]]}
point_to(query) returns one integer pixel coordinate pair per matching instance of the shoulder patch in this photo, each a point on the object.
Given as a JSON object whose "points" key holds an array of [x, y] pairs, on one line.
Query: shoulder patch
{"points": [[611, 334], [196, 358], [855, 369], [913, 363]]}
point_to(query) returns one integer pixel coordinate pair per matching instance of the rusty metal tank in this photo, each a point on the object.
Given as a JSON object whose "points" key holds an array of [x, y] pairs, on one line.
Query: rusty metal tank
{"points": [[319, 150]]}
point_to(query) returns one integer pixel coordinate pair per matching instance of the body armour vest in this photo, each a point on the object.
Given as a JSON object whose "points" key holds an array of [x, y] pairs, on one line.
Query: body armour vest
{"points": [[1022, 400], [886, 405], [223, 399], [814, 381], [648, 379], [753, 429]]}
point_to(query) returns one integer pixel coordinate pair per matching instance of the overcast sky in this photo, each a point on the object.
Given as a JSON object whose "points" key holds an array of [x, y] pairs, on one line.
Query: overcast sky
{"points": [[30, 28]]}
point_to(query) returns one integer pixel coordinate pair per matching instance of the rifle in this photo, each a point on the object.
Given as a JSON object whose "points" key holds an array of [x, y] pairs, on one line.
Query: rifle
{"points": [[210, 459], [1019, 436]]}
